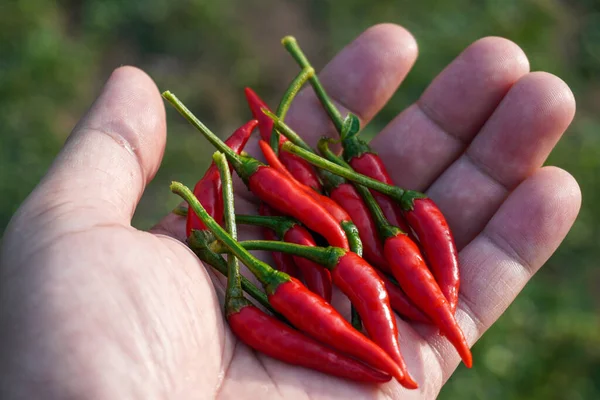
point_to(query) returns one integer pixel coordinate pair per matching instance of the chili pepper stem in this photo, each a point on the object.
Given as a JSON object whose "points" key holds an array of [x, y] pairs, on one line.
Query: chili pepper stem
{"points": [[234, 296], [200, 247], [291, 45], [269, 277], [244, 169], [404, 197], [325, 256], [286, 102], [278, 224]]}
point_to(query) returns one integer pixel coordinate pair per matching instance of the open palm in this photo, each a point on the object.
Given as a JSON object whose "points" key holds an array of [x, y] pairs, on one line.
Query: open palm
{"points": [[93, 308]]}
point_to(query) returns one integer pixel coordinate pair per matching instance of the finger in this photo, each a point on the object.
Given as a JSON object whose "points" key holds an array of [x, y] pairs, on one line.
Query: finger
{"points": [[424, 139], [113, 152], [515, 141], [517, 241]]}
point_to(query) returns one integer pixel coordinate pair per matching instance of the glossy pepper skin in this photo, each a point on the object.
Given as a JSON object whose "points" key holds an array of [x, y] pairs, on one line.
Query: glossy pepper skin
{"points": [[364, 161], [317, 278], [366, 291], [335, 209], [418, 283], [401, 303], [300, 169], [438, 246], [348, 198], [208, 189], [276, 339], [318, 319], [282, 194]]}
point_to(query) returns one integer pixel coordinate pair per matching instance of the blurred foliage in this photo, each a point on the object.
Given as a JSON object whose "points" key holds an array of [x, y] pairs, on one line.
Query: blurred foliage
{"points": [[55, 56]]}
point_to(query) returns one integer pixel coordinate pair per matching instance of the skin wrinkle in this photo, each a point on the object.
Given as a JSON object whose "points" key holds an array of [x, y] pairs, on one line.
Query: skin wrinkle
{"points": [[430, 114]]}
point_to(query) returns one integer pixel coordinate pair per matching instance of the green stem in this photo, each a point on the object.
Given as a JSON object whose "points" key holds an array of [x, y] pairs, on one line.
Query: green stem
{"points": [[353, 237], [277, 224], [392, 191], [286, 131], [291, 45], [234, 283], [327, 257], [269, 277], [286, 102], [243, 166], [200, 248], [356, 247]]}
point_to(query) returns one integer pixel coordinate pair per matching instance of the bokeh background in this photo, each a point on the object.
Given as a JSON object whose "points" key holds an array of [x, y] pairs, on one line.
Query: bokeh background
{"points": [[55, 56]]}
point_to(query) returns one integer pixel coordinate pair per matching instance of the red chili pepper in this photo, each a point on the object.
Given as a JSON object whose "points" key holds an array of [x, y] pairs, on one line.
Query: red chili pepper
{"points": [[208, 189], [317, 278], [276, 339], [401, 303], [300, 169], [273, 161], [318, 319], [276, 190], [271, 186], [360, 282], [438, 245], [372, 303], [335, 209], [365, 161], [418, 283]]}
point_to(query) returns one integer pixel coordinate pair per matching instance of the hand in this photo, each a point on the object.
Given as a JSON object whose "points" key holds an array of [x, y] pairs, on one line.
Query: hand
{"points": [[93, 308]]}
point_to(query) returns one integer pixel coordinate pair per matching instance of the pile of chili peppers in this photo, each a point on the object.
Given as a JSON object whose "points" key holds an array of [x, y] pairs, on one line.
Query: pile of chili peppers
{"points": [[389, 250]]}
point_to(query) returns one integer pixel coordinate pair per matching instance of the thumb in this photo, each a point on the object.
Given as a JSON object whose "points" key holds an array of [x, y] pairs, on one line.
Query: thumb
{"points": [[108, 159]]}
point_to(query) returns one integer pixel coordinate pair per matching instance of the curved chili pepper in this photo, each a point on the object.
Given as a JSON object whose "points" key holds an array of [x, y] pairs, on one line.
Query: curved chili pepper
{"points": [[401, 303], [365, 161], [300, 169], [271, 186], [360, 282], [418, 283], [372, 304], [276, 339], [304, 309], [208, 189], [335, 209], [317, 278], [438, 246], [320, 320]]}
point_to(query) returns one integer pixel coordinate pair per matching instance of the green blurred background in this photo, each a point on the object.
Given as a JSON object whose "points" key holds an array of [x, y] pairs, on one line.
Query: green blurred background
{"points": [[55, 56]]}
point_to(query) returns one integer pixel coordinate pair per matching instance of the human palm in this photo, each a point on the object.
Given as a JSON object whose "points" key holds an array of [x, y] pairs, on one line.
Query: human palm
{"points": [[91, 307]]}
